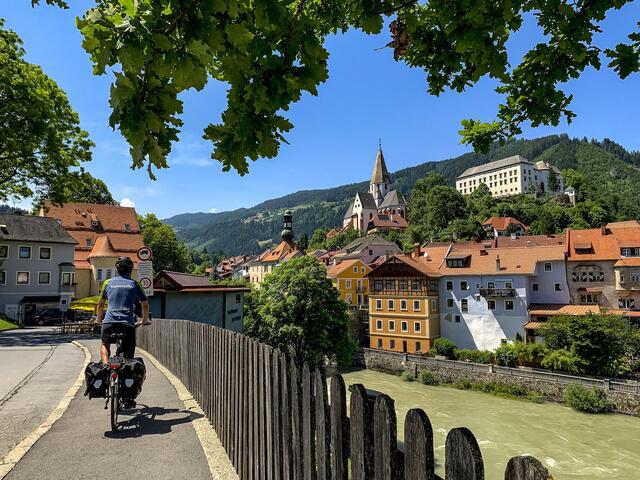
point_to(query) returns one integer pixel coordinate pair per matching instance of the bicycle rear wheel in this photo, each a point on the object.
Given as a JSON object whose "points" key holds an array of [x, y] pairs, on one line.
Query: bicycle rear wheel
{"points": [[115, 404]]}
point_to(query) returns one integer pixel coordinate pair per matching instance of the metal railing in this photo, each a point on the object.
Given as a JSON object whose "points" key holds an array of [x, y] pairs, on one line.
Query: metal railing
{"points": [[498, 292]]}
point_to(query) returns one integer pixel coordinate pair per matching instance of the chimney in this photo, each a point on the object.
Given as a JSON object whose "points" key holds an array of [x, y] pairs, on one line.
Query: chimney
{"points": [[497, 263], [603, 229], [416, 250], [483, 252], [514, 236]]}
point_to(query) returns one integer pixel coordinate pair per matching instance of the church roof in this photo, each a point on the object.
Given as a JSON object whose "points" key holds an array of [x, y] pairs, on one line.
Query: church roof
{"points": [[367, 200], [393, 199], [380, 172]]}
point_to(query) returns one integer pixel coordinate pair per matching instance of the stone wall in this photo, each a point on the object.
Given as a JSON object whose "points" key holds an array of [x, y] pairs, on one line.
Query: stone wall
{"points": [[625, 403]]}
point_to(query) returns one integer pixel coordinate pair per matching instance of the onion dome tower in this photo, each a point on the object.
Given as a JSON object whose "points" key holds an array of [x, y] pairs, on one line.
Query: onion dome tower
{"points": [[287, 232]]}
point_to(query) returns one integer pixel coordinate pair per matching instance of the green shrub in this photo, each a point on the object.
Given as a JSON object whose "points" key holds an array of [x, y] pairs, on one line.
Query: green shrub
{"points": [[463, 384], [590, 400], [427, 378], [408, 375], [475, 356], [445, 347], [563, 360], [535, 397], [529, 354], [506, 355]]}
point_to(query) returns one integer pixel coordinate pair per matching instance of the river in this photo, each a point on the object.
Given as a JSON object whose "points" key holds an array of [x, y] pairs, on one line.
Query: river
{"points": [[572, 445]]}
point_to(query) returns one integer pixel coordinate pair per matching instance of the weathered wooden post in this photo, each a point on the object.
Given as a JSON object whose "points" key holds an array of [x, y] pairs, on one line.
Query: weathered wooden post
{"points": [[419, 463], [323, 425], [463, 460], [526, 468], [339, 430], [308, 430], [296, 418], [385, 448], [361, 433]]}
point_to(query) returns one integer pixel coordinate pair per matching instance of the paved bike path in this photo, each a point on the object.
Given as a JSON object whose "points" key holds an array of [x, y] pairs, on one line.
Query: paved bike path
{"points": [[157, 440]]}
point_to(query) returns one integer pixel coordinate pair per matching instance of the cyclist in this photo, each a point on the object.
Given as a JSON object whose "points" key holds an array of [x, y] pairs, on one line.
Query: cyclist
{"points": [[121, 293]]}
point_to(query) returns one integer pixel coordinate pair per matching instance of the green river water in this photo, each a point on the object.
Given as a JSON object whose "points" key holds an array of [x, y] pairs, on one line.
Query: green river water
{"points": [[572, 445]]}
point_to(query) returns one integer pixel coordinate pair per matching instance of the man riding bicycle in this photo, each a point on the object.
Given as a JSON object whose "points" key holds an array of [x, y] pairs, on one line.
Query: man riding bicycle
{"points": [[121, 293]]}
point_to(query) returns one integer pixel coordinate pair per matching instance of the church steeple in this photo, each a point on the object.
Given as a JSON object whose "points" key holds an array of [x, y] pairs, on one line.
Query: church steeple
{"points": [[380, 180]]}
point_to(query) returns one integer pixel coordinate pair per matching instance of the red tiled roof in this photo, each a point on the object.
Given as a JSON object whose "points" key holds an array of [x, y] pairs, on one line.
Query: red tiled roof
{"points": [[501, 223], [334, 270], [79, 215], [550, 310], [388, 221], [531, 241], [102, 248], [602, 244], [283, 251]]}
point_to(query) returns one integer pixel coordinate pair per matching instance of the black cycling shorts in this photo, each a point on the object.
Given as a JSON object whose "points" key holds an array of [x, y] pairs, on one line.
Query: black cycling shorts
{"points": [[129, 340]]}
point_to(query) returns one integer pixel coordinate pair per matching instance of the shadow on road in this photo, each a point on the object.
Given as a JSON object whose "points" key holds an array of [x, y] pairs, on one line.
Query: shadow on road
{"points": [[28, 337], [146, 422]]}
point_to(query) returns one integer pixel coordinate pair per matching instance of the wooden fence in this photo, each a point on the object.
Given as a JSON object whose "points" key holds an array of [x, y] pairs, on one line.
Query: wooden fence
{"points": [[278, 421]]}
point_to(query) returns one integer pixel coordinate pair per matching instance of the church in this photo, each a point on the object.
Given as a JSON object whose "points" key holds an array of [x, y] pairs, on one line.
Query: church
{"points": [[381, 208]]}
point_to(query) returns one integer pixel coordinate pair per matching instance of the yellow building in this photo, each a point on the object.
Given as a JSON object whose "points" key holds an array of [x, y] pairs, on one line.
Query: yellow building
{"points": [[349, 279], [403, 304]]}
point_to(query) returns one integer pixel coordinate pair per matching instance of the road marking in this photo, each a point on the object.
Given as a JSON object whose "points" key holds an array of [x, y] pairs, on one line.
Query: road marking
{"points": [[220, 466], [15, 455]]}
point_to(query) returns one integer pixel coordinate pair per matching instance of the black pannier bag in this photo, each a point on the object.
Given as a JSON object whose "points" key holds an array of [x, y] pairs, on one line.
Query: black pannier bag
{"points": [[96, 376], [132, 377]]}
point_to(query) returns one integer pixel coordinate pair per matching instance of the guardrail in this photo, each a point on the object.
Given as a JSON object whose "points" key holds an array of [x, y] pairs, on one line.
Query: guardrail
{"points": [[542, 375], [275, 420]]}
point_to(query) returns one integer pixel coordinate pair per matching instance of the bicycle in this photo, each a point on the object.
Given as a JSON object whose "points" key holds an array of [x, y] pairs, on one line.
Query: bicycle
{"points": [[116, 363]]}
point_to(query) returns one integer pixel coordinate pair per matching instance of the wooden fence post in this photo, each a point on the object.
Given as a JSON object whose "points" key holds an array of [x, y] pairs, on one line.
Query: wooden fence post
{"points": [[418, 441], [360, 433], [386, 455], [463, 460], [308, 431], [296, 416], [339, 430], [286, 412], [323, 425], [525, 468]]}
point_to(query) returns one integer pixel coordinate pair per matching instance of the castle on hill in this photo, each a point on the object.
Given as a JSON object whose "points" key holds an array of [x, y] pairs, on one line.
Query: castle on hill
{"points": [[380, 209]]}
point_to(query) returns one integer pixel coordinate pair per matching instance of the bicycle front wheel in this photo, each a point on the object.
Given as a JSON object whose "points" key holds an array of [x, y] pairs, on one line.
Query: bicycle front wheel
{"points": [[115, 405]]}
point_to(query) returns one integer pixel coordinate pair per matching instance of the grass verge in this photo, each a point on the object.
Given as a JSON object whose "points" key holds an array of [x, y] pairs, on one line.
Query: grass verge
{"points": [[7, 325]]}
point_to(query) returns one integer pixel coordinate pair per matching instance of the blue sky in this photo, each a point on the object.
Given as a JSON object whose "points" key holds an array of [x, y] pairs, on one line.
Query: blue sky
{"points": [[368, 96]]}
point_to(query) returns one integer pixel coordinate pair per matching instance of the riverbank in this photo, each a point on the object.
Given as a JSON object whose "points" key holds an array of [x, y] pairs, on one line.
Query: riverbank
{"points": [[450, 373], [572, 445]]}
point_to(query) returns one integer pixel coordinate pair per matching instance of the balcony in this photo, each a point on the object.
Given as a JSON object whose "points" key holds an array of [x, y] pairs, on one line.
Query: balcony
{"points": [[498, 292], [361, 289]]}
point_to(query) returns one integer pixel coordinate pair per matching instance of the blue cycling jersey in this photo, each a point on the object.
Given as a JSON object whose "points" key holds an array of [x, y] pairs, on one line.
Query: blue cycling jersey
{"points": [[121, 294]]}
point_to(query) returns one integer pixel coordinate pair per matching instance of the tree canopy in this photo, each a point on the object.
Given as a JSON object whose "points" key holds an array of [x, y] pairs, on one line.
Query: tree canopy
{"points": [[169, 253], [40, 134], [270, 52], [82, 187], [297, 310]]}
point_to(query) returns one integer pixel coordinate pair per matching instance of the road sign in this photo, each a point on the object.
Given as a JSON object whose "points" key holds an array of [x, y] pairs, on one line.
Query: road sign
{"points": [[144, 254], [64, 304], [145, 276]]}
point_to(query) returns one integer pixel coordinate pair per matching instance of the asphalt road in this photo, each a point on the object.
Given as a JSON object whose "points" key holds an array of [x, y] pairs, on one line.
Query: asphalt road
{"points": [[156, 442]]}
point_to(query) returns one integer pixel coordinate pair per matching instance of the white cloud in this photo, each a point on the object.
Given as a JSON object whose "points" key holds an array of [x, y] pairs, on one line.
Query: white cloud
{"points": [[191, 152], [127, 202], [213, 210]]}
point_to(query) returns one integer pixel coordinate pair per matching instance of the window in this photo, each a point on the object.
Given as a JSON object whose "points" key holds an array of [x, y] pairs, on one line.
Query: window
{"points": [[449, 302], [392, 325], [67, 278], [535, 287], [378, 324], [377, 285], [434, 305], [403, 305], [109, 273], [547, 266], [464, 305], [508, 285], [25, 252], [391, 305], [379, 343], [347, 284], [89, 242], [589, 298], [99, 273], [238, 298], [457, 318], [626, 303], [635, 277], [402, 285], [491, 304], [508, 304], [378, 304], [45, 253], [390, 285], [449, 285], [418, 347], [417, 326], [44, 278], [464, 285], [416, 305], [22, 278], [127, 227], [355, 269], [3, 277], [557, 287], [348, 298], [4, 251], [392, 344], [621, 277], [456, 262], [415, 285], [625, 252], [404, 326], [491, 285]]}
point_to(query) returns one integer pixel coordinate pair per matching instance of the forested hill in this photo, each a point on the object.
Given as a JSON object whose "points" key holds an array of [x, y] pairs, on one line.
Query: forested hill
{"points": [[613, 170]]}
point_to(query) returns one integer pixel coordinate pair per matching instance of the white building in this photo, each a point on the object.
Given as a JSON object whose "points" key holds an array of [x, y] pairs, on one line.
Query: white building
{"points": [[509, 176]]}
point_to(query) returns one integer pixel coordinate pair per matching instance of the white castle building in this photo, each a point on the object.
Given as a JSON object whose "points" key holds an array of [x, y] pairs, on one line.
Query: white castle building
{"points": [[509, 176]]}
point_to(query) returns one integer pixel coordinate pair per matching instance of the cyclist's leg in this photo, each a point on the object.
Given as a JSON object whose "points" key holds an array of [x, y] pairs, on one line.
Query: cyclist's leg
{"points": [[105, 337], [129, 342]]}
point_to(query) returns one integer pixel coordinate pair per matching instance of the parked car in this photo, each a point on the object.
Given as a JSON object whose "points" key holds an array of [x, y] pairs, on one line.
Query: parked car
{"points": [[47, 316]]}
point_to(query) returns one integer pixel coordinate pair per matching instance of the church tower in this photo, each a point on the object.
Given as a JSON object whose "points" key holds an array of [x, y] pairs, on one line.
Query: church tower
{"points": [[380, 180]]}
